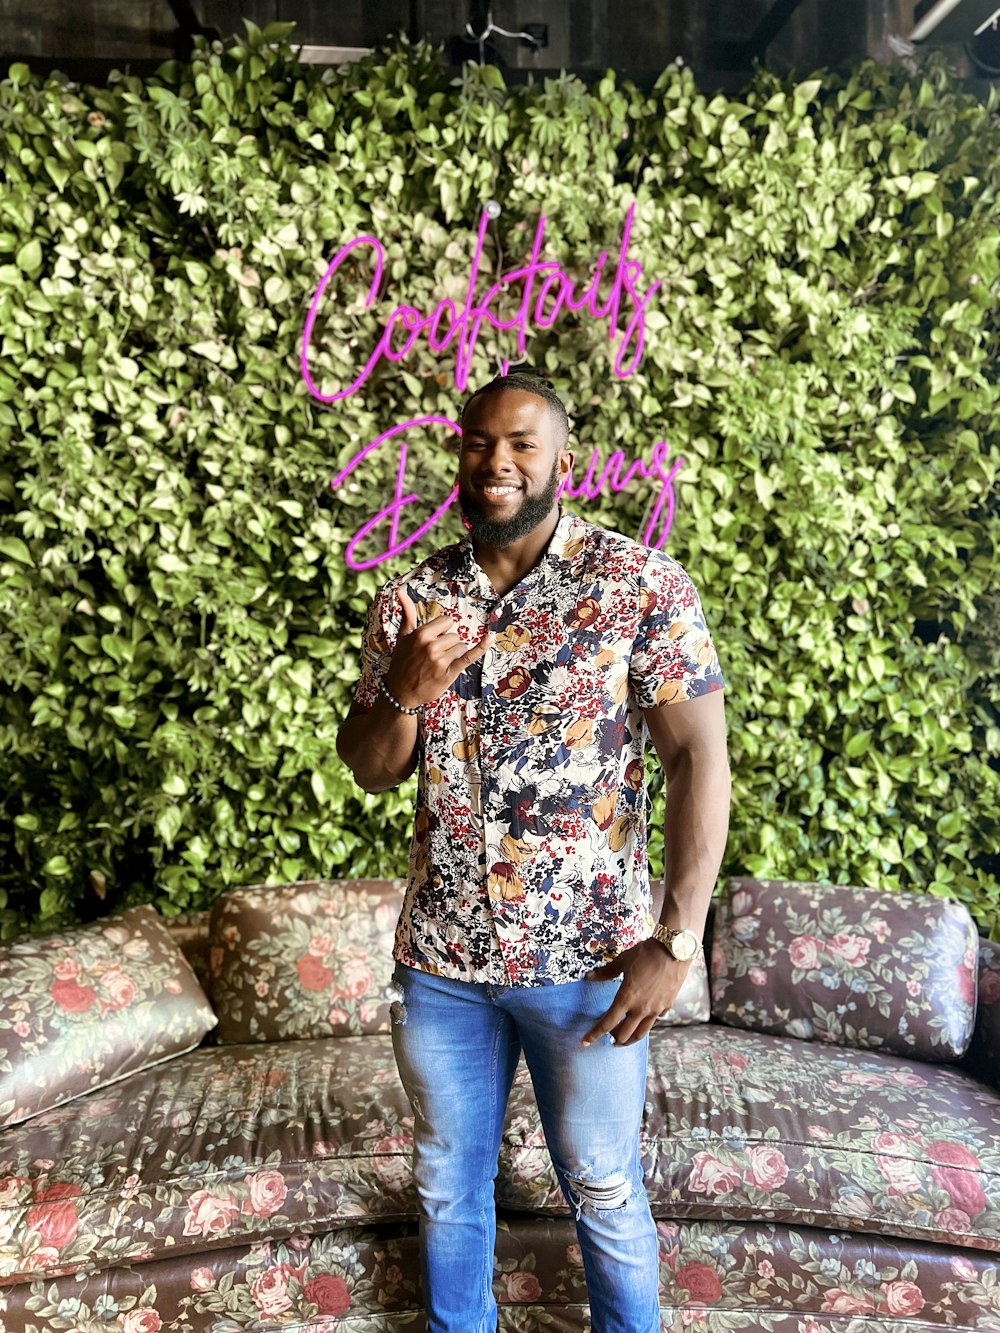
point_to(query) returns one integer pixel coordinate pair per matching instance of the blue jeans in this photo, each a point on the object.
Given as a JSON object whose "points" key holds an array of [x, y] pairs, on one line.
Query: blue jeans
{"points": [[457, 1045]]}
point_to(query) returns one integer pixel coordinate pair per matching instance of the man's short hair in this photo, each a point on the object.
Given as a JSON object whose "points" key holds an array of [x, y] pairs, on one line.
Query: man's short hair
{"points": [[517, 379]]}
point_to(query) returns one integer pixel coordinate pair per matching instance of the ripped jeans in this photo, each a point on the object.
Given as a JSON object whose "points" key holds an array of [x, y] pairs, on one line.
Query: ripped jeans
{"points": [[457, 1045]]}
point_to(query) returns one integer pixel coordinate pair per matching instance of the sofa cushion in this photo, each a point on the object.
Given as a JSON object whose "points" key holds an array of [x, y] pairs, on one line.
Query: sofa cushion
{"points": [[745, 1125], [334, 1282], [303, 960], [691, 1003], [747, 1275], [224, 1145], [232, 1145], [82, 1008], [882, 971], [983, 1055]]}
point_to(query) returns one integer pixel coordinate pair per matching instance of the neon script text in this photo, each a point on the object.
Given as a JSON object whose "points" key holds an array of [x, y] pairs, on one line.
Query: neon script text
{"points": [[448, 327], [446, 324], [594, 480]]}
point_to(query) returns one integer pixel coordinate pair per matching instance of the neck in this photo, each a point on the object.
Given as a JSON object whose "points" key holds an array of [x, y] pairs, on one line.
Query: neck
{"points": [[506, 566]]}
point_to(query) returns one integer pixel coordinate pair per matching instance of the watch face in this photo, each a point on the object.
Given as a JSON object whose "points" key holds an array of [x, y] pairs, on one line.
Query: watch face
{"points": [[684, 945]]}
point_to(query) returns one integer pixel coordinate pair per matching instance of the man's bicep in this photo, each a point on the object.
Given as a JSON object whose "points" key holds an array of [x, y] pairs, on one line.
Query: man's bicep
{"points": [[673, 658], [693, 726]]}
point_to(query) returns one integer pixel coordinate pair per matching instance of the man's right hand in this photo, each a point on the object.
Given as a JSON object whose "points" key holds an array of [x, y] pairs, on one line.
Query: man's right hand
{"points": [[427, 657]]}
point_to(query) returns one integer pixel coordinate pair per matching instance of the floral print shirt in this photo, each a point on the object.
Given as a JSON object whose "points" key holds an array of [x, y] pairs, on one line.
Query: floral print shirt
{"points": [[528, 861]]}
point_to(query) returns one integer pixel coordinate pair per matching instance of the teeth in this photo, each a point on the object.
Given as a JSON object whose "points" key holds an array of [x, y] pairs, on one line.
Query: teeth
{"points": [[500, 490]]}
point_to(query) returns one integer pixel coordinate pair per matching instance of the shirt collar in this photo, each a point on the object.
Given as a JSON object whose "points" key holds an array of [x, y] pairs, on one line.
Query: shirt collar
{"points": [[565, 549]]}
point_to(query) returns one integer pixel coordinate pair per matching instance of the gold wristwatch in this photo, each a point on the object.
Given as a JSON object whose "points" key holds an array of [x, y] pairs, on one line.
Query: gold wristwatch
{"points": [[680, 944]]}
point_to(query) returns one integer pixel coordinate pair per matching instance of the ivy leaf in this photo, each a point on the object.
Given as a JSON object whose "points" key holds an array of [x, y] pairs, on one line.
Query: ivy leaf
{"points": [[805, 92], [168, 824], [16, 549], [58, 172], [29, 256]]}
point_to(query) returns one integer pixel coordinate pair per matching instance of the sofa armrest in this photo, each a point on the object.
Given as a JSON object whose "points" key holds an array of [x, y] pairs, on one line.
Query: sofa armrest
{"points": [[983, 1056]]}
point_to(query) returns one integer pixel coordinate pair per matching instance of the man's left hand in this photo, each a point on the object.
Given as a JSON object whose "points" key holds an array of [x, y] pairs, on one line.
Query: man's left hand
{"points": [[650, 982]]}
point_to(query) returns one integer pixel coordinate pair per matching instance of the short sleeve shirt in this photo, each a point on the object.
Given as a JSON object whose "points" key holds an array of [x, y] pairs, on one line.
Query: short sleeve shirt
{"points": [[528, 860]]}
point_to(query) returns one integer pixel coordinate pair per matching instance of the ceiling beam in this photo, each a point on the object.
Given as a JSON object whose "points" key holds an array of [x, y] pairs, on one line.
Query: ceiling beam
{"points": [[768, 28]]}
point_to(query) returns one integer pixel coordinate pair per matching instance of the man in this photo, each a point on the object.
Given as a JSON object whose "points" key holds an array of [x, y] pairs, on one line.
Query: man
{"points": [[516, 669]]}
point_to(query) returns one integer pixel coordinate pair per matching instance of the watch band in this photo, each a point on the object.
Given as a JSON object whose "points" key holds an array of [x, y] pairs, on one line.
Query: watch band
{"points": [[666, 935]]}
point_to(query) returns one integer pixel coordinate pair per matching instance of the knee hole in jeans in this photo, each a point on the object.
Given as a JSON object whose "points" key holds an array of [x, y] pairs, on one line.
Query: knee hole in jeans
{"points": [[612, 1192]]}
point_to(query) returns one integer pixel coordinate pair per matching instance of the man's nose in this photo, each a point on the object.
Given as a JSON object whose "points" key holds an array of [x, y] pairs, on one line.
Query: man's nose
{"points": [[501, 458]]}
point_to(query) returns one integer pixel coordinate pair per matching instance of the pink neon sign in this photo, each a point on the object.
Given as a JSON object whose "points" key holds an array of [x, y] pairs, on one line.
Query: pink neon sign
{"points": [[448, 326], [654, 534]]}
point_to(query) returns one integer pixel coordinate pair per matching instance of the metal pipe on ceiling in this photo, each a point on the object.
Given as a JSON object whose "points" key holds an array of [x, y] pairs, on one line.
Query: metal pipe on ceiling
{"points": [[932, 18]]}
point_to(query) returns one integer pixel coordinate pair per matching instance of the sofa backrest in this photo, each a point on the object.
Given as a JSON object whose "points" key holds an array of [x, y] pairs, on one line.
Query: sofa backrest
{"points": [[251, 911], [859, 967], [303, 960], [314, 959]]}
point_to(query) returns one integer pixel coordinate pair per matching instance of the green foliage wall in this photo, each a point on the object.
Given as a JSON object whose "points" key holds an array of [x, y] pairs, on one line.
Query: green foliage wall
{"points": [[178, 628]]}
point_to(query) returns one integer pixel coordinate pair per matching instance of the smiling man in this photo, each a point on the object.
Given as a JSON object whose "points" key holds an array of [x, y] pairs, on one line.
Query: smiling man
{"points": [[520, 672], [505, 506]]}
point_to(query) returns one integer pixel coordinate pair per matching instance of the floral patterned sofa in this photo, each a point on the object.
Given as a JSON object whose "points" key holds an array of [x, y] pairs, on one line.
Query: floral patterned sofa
{"points": [[821, 1139]]}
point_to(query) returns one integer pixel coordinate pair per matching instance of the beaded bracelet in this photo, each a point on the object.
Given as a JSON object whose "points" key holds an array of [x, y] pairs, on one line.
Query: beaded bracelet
{"points": [[410, 712]]}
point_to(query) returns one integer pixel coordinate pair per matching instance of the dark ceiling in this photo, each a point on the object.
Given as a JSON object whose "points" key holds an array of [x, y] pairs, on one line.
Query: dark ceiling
{"points": [[721, 41]]}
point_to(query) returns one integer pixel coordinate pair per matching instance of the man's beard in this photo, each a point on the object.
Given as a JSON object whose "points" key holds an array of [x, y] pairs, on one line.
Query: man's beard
{"points": [[532, 510]]}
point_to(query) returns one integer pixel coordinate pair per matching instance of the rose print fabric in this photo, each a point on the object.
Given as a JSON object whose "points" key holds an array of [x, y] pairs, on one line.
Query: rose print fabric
{"points": [[353, 1281], [713, 1276], [744, 1125], [886, 971], [528, 860], [225, 1145], [314, 959], [268, 1186], [303, 960], [189, 931], [84, 1007], [716, 1276], [234, 1145]]}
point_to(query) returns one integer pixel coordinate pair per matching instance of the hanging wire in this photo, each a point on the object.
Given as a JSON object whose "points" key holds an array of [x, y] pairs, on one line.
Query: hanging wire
{"points": [[480, 38]]}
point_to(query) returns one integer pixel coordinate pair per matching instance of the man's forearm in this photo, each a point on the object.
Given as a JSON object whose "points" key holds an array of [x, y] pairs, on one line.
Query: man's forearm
{"points": [[379, 747], [694, 833]]}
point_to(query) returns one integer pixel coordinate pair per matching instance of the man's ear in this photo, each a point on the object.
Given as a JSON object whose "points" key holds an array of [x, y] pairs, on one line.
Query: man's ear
{"points": [[566, 458]]}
